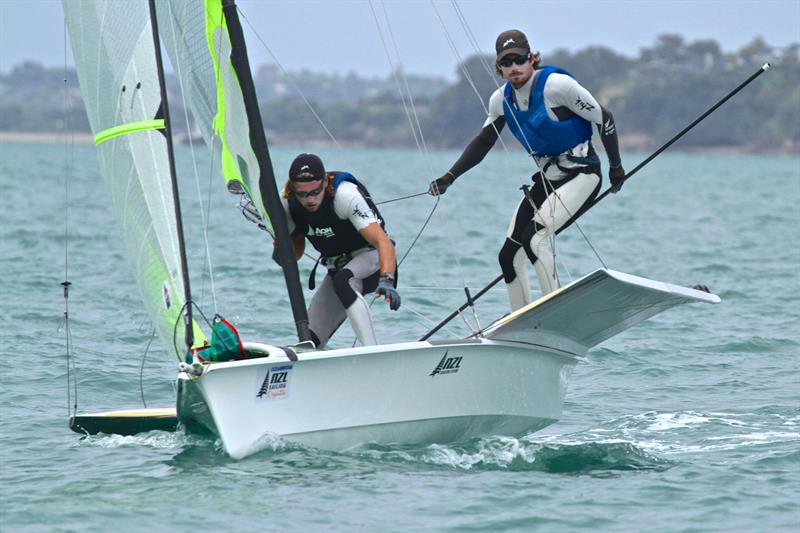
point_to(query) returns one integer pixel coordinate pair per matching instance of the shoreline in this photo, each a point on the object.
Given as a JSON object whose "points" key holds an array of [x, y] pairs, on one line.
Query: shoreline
{"points": [[638, 145]]}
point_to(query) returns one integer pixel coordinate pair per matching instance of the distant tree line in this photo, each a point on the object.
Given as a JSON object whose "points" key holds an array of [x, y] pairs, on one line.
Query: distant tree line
{"points": [[652, 97]]}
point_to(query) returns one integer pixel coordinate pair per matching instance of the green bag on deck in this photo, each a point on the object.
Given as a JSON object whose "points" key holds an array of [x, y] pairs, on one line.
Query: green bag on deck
{"points": [[226, 344]]}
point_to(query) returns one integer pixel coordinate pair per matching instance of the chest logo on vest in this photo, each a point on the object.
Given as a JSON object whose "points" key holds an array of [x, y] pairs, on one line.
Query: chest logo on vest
{"points": [[320, 232]]}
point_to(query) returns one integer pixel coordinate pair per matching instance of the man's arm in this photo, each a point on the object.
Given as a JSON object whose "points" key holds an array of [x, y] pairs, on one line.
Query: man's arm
{"points": [[572, 95], [377, 238], [478, 147]]}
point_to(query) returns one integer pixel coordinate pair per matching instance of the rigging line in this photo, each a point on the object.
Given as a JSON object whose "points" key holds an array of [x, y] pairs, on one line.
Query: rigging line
{"points": [[467, 75], [411, 115], [474, 42], [141, 367], [205, 222], [408, 88], [394, 75], [178, 320], [72, 373], [427, 320], [402, 198], [419, 234], [290, 79]]}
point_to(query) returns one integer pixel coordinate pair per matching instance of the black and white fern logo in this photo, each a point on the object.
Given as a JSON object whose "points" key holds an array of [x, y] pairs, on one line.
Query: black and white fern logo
{"points": [[448, 365], [276, 383]]}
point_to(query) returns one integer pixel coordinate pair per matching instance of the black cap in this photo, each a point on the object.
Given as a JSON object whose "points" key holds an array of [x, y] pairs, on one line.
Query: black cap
{"points": [[511, 42], [306, 167]]}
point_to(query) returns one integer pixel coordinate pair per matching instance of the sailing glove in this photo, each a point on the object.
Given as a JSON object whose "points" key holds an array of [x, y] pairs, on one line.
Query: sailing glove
{"points": [[617, 176], [386, 288], [439, 186]]}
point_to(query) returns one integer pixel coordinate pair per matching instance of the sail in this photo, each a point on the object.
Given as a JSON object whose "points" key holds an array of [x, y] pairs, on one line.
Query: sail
{"points": [[112, 45], [196, 38], [205, 43]]}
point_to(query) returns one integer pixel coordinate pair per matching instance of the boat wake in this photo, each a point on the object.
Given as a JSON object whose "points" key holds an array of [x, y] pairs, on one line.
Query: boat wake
{"points": [[151, 439], [522, 455]]}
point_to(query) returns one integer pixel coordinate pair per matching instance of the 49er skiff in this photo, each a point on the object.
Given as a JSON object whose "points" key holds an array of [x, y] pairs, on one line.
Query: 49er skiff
{"points": [[509, 379]]}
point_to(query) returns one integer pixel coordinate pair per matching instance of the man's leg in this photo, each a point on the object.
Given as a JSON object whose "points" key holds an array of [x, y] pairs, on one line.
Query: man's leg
{"points": [[326, 313], [559, 209], [359, 275]]}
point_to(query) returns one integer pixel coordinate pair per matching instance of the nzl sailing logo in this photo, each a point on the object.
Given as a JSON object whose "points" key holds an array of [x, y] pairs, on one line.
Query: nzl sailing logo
{"points": [[448, 365], [275, 385]]}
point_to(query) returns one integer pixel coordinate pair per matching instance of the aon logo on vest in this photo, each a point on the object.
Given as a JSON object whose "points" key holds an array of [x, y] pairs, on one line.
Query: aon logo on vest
{"points": [[320, 232]]}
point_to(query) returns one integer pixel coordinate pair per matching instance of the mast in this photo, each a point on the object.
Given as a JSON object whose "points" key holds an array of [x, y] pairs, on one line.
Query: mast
{"points": [[266, 182], [164, 112]]}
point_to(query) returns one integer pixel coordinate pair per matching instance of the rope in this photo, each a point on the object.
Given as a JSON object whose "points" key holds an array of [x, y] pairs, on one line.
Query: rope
{"points": [[402, 198], [141, 367]]}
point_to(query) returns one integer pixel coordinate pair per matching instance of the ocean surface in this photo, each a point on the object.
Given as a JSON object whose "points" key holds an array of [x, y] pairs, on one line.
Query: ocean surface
{"points": [[688, 422]]}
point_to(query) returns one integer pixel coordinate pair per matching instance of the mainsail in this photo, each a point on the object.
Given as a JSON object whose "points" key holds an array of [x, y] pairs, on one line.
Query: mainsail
{"points": [[115, 57], [112, 43]]}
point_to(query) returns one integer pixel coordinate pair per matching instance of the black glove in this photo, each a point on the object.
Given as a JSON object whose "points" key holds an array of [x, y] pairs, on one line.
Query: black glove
{"points": [[439, 186], [386, 288], [617, 176], [701, 287]]}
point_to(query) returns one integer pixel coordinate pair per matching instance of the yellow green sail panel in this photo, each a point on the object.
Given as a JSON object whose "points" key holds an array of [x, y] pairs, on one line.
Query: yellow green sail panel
{"points": [[197, 41]]}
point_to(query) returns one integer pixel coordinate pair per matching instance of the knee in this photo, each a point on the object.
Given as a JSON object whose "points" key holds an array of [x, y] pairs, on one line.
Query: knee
{"points": [[341, 285], [506, 259], [531, 238]]}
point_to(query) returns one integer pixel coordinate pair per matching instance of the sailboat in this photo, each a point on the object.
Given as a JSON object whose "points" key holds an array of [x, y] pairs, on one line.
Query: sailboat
{"points": [[509, 379]]}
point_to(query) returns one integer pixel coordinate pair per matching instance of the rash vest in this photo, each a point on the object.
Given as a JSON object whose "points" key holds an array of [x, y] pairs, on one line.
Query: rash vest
{"points": [[327, 233], [535, 130]]}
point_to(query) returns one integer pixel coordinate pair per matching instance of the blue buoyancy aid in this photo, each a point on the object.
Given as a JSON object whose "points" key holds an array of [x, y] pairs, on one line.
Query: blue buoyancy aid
{"points": [[535, 130]]}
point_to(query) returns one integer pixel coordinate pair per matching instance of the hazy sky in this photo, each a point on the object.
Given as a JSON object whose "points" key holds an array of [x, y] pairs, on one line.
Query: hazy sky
{"points": [[341, 36]]}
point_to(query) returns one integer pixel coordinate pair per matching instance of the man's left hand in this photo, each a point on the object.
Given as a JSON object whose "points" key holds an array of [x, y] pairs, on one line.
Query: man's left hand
{"points": [[617, 176], [386, 288]]}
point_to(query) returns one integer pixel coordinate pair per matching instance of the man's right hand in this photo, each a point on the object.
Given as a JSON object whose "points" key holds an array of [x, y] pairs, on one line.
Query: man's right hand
{"points": [[439, 186]]}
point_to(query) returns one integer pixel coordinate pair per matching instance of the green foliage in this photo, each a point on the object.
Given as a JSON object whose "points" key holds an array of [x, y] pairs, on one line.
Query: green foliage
{"points": [[652, 97]]}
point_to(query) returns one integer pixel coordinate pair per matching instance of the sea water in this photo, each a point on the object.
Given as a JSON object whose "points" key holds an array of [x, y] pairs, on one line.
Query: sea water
{"points": [[688, 422]]}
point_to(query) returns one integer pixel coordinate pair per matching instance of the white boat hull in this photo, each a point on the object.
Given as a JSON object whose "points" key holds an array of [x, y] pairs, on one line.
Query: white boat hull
{"points": [[338, 399], [509, 380]]}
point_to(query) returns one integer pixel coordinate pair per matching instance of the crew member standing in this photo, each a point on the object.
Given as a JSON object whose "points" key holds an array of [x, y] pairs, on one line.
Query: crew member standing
{"points": [[335, 212], [551, 115]]}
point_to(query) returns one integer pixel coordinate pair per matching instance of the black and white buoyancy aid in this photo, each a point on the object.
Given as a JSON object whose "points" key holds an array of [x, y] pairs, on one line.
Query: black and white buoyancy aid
{"points": [[327, 233]]}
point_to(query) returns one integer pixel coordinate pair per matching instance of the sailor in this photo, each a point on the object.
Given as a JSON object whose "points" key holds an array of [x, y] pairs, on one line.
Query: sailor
{"points": [[551, 115], [335, 212]]}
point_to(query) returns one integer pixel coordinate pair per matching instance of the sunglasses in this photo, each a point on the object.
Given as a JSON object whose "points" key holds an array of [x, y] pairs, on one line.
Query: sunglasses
{"points": [[517, 60], [313, 192]]}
